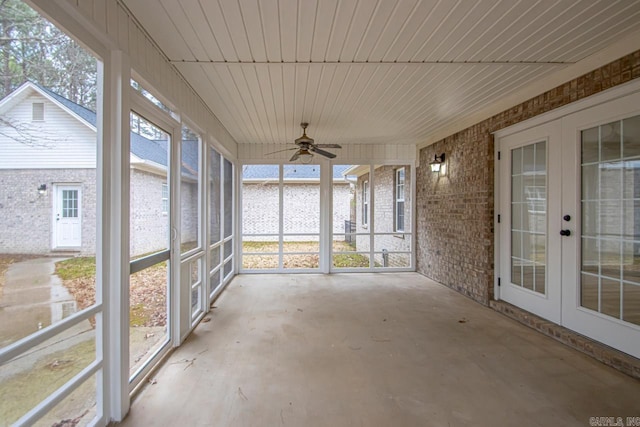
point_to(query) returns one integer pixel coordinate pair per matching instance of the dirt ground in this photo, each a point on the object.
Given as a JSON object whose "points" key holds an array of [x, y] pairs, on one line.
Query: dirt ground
{"points": [[148, 295]]}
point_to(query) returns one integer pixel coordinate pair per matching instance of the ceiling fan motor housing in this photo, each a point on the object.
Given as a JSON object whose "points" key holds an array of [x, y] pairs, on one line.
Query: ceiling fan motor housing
{"points": [[304, 139]]}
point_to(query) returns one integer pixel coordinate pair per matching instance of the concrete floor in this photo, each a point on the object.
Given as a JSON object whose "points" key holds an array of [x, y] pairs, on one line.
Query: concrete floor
{"points": [[372, 350]]}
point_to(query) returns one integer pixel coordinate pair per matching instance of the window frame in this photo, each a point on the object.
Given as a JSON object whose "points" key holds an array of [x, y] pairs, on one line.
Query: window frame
{"points": [[165, 199], [365, 203], [33, 111], [397, 199]]}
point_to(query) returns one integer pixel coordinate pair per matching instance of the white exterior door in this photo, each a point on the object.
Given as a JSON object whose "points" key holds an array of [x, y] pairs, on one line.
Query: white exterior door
{"points": [[67, 216], [530, 242], [569, 248]]}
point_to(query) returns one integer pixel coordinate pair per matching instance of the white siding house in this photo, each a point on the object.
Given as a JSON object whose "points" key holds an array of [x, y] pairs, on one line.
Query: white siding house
{"points": [[48, 178]]}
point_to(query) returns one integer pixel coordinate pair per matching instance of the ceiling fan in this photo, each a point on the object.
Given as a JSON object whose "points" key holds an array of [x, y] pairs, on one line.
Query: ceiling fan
{"points": [[306, 148]]}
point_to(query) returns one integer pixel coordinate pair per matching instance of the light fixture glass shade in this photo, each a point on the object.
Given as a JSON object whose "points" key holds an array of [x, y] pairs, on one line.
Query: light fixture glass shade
{"points": [[305, 157], [438, 163]]}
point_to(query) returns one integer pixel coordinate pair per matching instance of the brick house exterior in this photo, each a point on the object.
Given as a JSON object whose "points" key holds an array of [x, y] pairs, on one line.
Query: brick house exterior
{"points": [[455, 221], [384, 211], [67, 157], [301, 202]]}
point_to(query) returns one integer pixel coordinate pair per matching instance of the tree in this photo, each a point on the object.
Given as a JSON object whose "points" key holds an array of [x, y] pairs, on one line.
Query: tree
{"points": [[32, 48]]}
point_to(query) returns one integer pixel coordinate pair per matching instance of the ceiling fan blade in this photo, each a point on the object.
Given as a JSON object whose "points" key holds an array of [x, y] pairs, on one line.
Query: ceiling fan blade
{"points": [[280, 151], [328, 145], [322, 152], [295, 156]]}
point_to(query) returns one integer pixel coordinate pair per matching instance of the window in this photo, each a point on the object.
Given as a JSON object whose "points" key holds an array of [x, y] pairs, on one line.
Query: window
{"points": [[37, 111], [399, 203], [165, 199], [365, 203]]}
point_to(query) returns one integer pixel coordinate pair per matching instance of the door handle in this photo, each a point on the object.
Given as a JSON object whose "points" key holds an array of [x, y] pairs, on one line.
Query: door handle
{"points": [[565, 233]]}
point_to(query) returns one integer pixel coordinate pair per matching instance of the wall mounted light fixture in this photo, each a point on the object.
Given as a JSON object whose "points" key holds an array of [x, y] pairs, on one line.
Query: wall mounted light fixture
{"points": [[42, 190], [438, 163]]}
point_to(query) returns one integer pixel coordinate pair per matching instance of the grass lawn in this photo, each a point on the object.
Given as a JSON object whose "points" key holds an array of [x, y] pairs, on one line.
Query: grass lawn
{"points": [[259, 262]]}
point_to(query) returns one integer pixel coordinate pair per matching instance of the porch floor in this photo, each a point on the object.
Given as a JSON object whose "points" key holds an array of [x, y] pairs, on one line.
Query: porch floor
{"points": [[372, 350]]}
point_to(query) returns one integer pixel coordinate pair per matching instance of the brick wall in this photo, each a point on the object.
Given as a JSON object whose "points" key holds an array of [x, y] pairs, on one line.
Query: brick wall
{"points": [[26, 217], [149, 226], [384, 209], [455, 211], [189, 212], [260, 209]]}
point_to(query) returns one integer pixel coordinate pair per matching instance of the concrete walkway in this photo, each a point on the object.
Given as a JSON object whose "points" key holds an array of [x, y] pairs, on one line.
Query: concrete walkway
{"points": [[373, 350], [33, 298]]}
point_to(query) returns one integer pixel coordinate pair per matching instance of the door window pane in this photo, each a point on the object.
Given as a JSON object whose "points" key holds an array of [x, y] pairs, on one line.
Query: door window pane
{"points": [[529, 217], [631, 299], [611, 218]]}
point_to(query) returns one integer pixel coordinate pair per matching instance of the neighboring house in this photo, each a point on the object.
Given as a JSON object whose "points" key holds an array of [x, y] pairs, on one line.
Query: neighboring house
{"points": [[391, 216], [301, 201], [48, 150]]}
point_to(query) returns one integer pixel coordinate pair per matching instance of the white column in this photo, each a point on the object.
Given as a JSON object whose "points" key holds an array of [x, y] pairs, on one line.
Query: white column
{"points": [[113, 176]]}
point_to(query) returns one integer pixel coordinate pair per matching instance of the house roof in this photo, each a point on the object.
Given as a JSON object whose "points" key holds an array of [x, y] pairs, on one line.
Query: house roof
{"points": [[144, 148], [291, 172], [84, 113], [147, 150]]}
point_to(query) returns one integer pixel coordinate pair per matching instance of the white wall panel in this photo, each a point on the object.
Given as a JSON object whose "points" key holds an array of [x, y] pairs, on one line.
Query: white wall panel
{"points": [[61, 141]]}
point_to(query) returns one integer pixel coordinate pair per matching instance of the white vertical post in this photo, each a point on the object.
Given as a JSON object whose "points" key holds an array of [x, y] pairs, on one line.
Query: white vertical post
{"points": [[113, 270], [372, 220], [413, 212], [280, 218], [326, 215]]}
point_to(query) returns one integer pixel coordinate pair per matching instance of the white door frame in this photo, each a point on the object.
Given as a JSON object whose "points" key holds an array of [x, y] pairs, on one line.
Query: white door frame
{"points": [[56, 208]]}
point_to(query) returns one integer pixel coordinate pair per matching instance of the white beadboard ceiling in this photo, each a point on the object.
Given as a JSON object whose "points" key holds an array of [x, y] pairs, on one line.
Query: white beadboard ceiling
{"points": [[371, 71]]}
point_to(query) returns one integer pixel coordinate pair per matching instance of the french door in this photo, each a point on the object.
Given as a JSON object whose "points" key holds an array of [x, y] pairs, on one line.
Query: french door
{"points": [[570, 221], [531, 258]]}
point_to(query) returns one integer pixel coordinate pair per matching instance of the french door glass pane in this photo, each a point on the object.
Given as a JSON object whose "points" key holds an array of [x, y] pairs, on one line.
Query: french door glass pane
{"points": [[610, 250], [529, 216]]}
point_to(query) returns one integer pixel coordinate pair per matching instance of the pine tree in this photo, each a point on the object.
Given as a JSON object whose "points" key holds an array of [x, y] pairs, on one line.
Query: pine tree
{"points": [[32, 48]]}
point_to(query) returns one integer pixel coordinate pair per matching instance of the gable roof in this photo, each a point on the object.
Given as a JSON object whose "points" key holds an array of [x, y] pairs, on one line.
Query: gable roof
{"points": [[84, 113]]}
